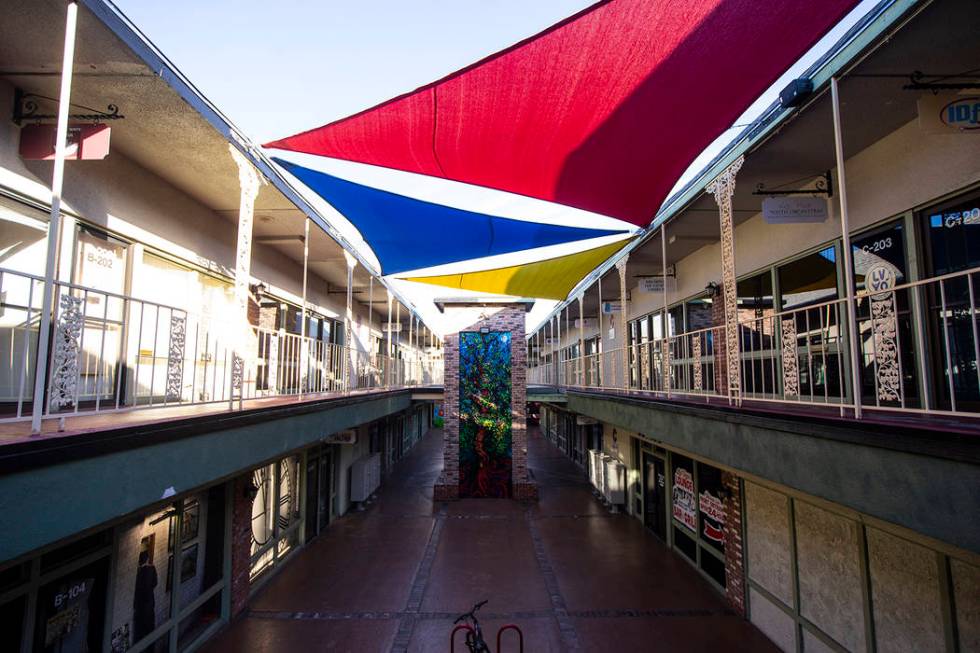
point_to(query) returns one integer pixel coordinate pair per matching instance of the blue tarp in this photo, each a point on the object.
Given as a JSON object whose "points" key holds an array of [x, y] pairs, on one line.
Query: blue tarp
{"points": [[409, 234]]}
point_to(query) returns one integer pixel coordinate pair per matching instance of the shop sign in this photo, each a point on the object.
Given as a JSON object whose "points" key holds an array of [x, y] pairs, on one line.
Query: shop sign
{"points": [[608, 308], [684, 508], [713, 514], [955, 219], [949, 113], [656, 284], [880, 277], [587, 323], [348, 436], [794, 209], [83, 142], [392, 327]]}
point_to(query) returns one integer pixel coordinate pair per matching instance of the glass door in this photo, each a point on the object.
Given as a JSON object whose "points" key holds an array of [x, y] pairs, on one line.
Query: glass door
{"points": [[654, 495]]}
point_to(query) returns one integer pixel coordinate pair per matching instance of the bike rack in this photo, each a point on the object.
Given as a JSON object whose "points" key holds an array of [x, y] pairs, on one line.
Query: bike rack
{"points": [[452, 637], [520, 637]]}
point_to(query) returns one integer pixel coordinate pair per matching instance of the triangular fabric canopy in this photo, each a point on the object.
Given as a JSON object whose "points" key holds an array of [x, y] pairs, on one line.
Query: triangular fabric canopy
{"points": [[409, 234], [603, 111], [551, 278]]}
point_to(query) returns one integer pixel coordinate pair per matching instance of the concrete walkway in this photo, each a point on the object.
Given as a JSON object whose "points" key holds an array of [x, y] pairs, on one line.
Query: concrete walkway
{"points": [[571, 575]]}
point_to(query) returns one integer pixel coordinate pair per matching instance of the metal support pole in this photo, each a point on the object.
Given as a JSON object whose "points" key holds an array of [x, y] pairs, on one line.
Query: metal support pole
{"points": [[57, 180], [601, 349], [624, 313], [846, 242], [388, 357], [581, 337], [349, 323], [665, 347], [304, 355]]}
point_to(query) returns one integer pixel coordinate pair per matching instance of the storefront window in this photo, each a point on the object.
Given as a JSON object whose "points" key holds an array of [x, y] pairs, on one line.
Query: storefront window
{"points": [[881, 252], [698, 515], [952, 233], [275, 513]]}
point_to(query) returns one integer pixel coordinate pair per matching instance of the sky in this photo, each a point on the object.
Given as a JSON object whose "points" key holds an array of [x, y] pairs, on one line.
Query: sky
{"points": [[278, 68]]}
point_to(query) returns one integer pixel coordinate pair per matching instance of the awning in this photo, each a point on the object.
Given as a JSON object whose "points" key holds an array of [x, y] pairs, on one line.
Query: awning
{"points": [[409, 234], [551, 278], [603, 111]]}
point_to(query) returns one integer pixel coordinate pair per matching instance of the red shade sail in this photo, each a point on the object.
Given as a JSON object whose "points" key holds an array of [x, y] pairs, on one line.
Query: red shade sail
{"points": [[603, 111]]}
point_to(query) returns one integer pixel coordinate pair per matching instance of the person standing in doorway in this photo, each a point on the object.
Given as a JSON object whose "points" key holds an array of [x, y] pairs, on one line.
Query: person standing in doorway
{"points": [[144, 603]]}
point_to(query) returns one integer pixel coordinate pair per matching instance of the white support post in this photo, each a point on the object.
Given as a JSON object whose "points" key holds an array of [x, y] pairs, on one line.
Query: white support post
{"points": [[57, 181], [304, 350], [244, 349], [665, 347], [624, 319], [600, 357], [349, 378], [846, 243], [389, 359], [723, 188], [581, 337]]}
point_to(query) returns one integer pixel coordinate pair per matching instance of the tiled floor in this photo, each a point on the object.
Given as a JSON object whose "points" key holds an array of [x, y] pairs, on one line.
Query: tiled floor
{"points": [[571, 575]]}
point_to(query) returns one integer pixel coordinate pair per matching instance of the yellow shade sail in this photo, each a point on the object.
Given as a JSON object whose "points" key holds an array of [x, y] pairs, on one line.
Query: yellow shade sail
{"points": [[551, 278]]}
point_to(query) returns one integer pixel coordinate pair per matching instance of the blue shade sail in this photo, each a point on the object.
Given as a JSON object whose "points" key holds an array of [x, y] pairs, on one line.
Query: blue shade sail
{"points": [[409, 234]]}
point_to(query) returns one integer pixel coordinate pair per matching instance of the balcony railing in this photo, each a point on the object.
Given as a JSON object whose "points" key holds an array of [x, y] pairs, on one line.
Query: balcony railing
{"points": [[111, 352], [918, 352]]}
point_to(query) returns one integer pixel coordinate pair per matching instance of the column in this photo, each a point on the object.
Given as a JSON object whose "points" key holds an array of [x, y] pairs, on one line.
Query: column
{"points": [[351, 354], [388, 358], [665, 347], [243, 356], [57, 178], [723, 188], [581, 338], [624, 338], [854, 334]]}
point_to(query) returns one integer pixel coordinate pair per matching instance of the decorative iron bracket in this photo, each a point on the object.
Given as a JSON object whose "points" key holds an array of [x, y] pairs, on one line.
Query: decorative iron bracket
{"points": [[919, 81], [26, 109], [824, 186]]}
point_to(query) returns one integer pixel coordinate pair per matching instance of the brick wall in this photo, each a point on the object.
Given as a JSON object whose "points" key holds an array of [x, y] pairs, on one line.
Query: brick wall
{"points": [[734, 566], [241, 542], [511, 319]]}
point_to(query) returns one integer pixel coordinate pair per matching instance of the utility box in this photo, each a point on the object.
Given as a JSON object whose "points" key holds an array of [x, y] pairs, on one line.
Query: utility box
{"points": [[365, 477], [614, 481]]}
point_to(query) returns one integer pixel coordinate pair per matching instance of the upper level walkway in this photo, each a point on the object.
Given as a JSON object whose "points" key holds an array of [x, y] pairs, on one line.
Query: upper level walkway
{"points": [[570, 574]]}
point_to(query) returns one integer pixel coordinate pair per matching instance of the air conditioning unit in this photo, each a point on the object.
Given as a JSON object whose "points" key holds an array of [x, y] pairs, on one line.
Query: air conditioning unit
{"points": [[365, 477], [614, 481]]}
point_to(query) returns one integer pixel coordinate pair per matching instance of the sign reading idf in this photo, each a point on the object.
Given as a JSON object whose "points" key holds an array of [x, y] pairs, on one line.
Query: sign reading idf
{"points": [[962, 114]]}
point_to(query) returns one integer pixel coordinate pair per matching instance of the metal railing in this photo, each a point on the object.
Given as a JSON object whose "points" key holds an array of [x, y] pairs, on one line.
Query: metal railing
{"points": [[918, 344], [112, 352]]}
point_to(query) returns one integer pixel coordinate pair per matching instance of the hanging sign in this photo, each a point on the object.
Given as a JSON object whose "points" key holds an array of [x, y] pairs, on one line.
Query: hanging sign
{"points": [[348, 436], [656, 284], [949, 113], [684, 507], [713, 516], [794, 209], [392, 327], [608, 308], [88, 142], [587, 323]]}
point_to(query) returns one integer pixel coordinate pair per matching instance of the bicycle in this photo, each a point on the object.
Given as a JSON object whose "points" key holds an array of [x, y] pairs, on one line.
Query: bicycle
{"points": [[474, 634]]}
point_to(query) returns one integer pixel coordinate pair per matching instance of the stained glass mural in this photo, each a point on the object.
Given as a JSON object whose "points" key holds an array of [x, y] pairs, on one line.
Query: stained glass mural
{"points": [[484, 414]]}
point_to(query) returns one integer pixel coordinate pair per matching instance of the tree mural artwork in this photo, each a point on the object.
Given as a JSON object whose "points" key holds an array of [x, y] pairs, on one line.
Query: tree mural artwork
{"points": [[484, 414]]}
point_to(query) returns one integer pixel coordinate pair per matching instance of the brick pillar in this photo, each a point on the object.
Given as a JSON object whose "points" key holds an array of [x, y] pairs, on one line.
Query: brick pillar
{"points": [[734, 567], [447, 485], [241, 542], [720, 349]]}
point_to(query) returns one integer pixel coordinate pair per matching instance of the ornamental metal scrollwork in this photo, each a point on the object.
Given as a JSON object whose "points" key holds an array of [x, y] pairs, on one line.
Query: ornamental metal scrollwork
{"points": [[791, 368], [237, 372], [272, 380], [885, 332], [696, 355], [723, 188], [64, 379], [175, 358]]}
